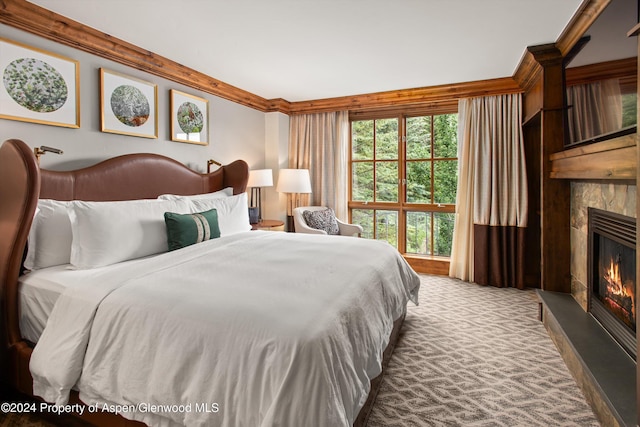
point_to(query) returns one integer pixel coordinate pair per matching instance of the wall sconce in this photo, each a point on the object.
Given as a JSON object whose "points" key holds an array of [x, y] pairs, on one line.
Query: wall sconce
{"points": [[212, 162], [294, 182], [257, 179], [43, 149]]}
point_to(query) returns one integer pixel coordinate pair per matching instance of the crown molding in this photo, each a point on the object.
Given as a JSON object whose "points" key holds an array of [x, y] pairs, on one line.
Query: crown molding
{"points": [[58, 28], [624, 69], [530, 66], [587, 13], [34, 19], [411, 97]]}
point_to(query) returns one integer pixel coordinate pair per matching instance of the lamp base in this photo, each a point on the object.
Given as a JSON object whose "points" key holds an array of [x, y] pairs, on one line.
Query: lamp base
{"points": [[254, 215], [291, 228]]}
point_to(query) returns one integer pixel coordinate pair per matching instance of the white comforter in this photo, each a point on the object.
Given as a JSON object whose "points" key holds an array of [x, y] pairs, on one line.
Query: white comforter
{"points": [[253, 329]]}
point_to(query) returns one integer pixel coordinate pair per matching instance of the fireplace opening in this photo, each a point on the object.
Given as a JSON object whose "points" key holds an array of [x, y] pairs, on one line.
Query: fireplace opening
{"points": [[612, 275]]}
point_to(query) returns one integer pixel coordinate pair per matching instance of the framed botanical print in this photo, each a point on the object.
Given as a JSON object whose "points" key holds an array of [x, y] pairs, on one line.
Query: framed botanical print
{"points": [[128, 106], [38, 86], [189, 118]]}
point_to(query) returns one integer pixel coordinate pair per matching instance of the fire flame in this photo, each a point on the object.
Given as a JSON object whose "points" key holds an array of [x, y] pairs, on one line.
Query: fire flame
{"points": [[615, 285]]}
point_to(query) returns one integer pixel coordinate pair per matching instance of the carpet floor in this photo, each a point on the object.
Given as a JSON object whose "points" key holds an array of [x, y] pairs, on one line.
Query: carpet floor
{"points": [[477, 356], [467, 356]]}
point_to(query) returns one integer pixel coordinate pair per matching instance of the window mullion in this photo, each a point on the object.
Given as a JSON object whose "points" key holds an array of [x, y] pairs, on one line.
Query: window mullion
{"points": [[433, 179], [402, 175], [375, 166], [410, 224]]}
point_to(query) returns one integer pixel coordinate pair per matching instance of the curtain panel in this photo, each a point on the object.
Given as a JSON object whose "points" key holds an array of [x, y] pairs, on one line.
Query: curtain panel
{"points": [[595, 108], [491, 205], [320, 142]]}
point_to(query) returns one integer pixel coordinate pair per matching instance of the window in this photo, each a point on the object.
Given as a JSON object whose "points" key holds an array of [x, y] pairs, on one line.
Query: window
{"points": [[403, 180], [629, 109]]}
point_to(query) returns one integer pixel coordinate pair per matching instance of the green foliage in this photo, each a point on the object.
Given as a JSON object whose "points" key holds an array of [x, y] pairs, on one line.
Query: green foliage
{"points": [[419, 137], [362, 140], [445, 181], [629, 109], [364, 217], [418, 230], [431, 151], [387, 181], [419, 182], [130, 106], [387, 226], [362, 181], [190, 118], [445, 129], [443, 233], [35, 85], [386, 139]]}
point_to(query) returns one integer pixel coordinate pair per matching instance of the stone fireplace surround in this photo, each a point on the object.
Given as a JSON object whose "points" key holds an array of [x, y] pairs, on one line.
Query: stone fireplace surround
{"points": [[603, 370], [617, 198], [610, 196]]}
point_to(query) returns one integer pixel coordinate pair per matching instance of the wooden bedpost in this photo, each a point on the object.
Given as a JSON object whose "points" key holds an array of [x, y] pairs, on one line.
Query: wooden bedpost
{"points": [[19, 190]]}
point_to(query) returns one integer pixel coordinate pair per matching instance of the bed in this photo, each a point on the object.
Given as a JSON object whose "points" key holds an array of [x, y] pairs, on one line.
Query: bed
{"points": [[249, 328]]}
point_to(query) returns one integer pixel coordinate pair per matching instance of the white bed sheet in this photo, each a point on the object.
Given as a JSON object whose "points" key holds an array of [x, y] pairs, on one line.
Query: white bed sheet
{"points": [[274, 328], [39, 290]]}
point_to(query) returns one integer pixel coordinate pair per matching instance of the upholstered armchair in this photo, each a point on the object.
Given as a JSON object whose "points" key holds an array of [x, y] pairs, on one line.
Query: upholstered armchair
{"points": [[321, 220]]}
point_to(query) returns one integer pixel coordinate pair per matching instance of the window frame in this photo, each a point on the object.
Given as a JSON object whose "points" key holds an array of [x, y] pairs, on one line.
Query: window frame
{"points": [[402, 207]]}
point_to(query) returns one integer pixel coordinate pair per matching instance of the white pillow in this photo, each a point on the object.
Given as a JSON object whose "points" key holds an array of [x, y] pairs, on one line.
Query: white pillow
{"points": [[226, 192], [106, 233], [50, 236], [233, 212]]}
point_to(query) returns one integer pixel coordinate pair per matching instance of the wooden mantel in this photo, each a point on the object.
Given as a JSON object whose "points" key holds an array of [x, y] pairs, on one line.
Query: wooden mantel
{"points": [[612, 159]]}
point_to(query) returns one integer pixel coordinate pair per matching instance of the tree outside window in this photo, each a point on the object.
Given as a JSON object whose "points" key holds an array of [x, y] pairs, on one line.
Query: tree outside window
{"points": [[404, 179]]}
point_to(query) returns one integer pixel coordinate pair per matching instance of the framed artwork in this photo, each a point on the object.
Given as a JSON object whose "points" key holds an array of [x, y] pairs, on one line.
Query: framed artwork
{"points": [[38, 86], [128, 106], [189, 118]]}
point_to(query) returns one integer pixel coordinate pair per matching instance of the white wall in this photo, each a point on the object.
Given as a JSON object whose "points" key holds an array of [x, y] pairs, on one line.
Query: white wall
{"points": [[236, 132], [276, 158]]}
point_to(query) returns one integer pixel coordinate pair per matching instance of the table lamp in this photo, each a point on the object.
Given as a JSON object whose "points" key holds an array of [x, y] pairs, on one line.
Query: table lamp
{"points": [[257, 179], [293, 182]]}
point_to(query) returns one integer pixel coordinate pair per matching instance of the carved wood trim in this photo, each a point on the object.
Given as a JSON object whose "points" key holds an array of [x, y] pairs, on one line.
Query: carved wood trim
{"points": [[414, 97], [586, 14], [624, 69], [60, 29], [529, 69], [611, 159], [52, 26], [441, 107]]}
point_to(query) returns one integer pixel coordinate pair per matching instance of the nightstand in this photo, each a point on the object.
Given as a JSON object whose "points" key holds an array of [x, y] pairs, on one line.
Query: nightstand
{"points": [[269, 225]]}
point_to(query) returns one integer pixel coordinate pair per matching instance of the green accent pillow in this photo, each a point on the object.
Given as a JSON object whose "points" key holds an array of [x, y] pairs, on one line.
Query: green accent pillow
{"points": [[188, 229]]}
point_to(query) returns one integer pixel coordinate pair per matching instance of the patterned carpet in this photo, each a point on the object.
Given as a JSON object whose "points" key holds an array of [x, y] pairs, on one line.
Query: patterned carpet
{"points": [[468, 356], [477, 356]]}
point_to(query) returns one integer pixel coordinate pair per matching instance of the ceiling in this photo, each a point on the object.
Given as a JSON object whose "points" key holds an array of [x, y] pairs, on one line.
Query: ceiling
{"points": [[608, 34], [309, 49]]}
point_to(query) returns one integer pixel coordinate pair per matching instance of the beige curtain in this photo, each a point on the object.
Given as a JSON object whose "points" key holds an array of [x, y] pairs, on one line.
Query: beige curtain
{"points": [[320, 142], [491, 203], [594, 108]]}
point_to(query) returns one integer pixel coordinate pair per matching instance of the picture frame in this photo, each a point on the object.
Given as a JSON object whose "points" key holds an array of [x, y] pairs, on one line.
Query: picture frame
{"points": [[128, 106], [38, 86], [189, 118]]}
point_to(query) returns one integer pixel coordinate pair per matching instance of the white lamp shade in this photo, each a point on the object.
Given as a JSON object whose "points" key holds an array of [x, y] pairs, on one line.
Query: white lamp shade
{"points": [[260, 178], [294, 181]]}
